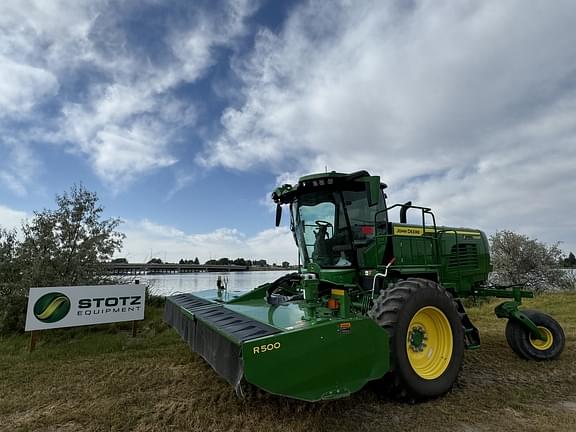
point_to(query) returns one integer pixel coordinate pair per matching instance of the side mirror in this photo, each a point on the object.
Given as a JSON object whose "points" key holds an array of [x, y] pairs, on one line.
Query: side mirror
{"points": [[278, 214]]}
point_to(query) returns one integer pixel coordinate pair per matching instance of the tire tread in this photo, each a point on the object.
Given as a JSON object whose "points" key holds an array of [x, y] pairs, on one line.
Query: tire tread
{"points": [[387, 309]]}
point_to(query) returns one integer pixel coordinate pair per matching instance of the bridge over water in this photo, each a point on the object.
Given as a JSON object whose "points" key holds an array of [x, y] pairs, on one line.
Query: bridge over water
{"points": [[168, 268]]}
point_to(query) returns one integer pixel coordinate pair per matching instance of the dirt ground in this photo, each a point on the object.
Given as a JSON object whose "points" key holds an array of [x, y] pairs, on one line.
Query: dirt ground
{"points": [[98, 380]]}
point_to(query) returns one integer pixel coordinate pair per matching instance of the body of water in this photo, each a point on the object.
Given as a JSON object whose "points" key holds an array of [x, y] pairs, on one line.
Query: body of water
{"points": [[237, 281], [191, 282]]}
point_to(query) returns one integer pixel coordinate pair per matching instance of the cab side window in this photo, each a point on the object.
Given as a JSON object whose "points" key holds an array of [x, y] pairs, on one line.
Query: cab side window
{"points": [[361, 215]]}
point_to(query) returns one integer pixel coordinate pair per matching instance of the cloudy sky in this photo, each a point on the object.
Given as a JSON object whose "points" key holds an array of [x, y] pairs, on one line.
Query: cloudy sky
{"points": [[184, 115]]}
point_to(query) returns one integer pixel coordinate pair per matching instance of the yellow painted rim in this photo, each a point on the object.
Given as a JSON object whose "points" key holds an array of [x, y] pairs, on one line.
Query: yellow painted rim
{"points": [[430, 357], [540, 344]]}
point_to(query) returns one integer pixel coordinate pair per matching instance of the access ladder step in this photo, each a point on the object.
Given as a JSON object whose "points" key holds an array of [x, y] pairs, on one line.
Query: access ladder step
{"points": [[471, 333]]}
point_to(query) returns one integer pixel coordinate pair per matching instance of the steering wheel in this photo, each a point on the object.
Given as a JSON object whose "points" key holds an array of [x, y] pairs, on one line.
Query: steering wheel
{"points": [[323, 226]]}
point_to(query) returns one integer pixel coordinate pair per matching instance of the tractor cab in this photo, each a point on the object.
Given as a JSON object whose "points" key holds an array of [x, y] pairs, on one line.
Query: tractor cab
{"points": [[334, 218]]}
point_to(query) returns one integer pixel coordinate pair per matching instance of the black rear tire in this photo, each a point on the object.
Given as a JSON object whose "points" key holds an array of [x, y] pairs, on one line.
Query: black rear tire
{"points": [[522, 343], [511, 331], [394, 310]]}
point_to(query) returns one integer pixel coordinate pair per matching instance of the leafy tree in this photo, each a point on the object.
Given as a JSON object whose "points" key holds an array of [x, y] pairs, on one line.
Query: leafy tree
{"points": [[196, 261], [239, 262], [518, 259], [12, 292], [68, 245], [10, 271], [570, 261]]}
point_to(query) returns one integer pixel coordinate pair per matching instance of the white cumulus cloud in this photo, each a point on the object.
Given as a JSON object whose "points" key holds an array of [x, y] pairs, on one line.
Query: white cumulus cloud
{"points": [[146, 239], [118, 101], [11, 218], [23, 86], [466, 106], [18, 166]]}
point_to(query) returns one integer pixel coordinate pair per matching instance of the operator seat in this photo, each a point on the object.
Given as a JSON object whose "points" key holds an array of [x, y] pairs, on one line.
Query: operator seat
{"points": [[320, 252]]}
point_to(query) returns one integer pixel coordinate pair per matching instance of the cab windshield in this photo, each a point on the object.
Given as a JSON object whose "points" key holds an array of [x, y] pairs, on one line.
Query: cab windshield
{"points": [[329, 225]]}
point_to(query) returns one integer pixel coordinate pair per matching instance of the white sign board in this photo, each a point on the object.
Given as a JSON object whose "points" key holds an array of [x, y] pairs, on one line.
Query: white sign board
{"points": [[57, 307]]}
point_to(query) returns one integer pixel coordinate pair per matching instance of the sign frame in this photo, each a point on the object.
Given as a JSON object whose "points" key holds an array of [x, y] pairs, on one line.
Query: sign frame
{"points": [[75, 306]]}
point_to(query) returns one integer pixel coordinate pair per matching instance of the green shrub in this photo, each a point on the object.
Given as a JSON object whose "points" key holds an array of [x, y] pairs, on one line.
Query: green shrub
{"points": [[12, 313]]}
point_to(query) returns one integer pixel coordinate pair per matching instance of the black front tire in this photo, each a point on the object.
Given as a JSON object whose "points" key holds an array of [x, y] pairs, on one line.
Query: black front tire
{"points": [[522, 343], [393, 310]]}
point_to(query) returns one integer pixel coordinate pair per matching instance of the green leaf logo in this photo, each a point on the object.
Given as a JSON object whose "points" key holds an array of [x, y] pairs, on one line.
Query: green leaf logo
{"points": [[52, 307]]}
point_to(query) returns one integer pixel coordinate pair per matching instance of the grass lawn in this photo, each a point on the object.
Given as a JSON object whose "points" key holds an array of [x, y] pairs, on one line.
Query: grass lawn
{"points": [[97, 379]]}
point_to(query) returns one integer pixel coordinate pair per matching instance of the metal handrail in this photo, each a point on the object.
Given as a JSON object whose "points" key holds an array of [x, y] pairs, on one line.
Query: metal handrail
{"points": [[424, 210]]}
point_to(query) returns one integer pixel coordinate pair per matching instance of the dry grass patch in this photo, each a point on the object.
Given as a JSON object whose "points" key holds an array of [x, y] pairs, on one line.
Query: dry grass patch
{"points": [[97, 381]]}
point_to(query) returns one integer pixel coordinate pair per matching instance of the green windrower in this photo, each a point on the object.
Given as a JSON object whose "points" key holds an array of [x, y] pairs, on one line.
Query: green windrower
{"points": [[376, 298]]}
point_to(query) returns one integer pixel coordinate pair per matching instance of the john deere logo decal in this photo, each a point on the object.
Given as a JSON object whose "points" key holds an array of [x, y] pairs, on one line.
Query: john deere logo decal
{"points": [[52, 307]]}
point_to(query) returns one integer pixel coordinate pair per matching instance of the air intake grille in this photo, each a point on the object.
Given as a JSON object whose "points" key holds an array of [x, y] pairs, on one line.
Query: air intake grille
{"points": [[463, 256]]}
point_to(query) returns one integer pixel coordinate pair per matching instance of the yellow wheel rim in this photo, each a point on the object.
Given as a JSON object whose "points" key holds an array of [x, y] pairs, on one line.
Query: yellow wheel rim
{"points": [[540, 344], [429, 343]]}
